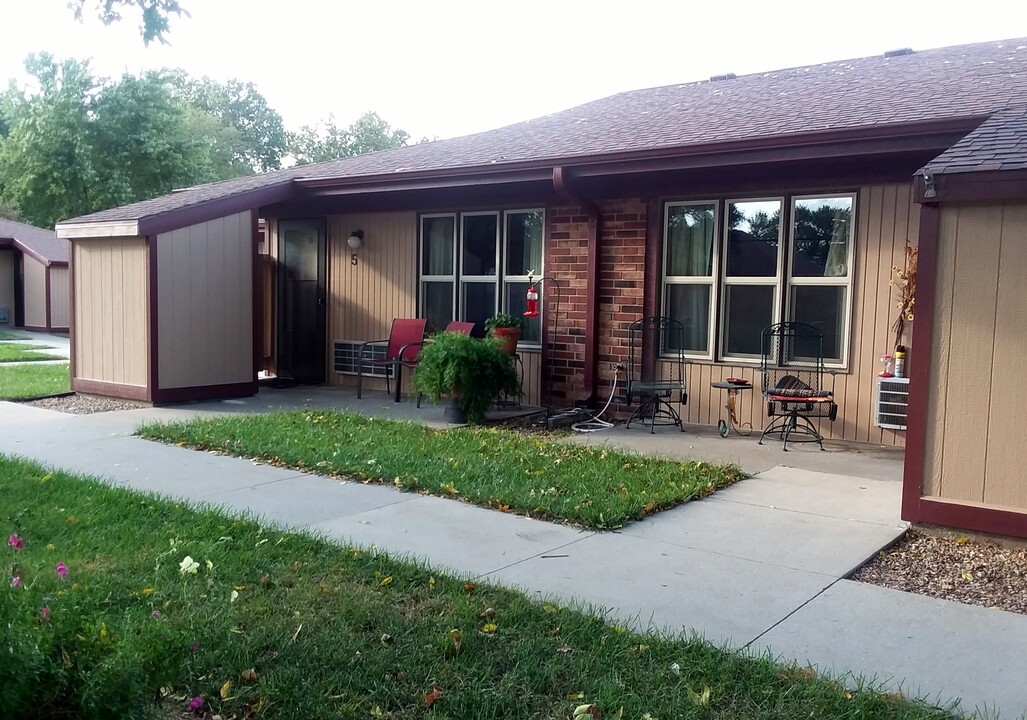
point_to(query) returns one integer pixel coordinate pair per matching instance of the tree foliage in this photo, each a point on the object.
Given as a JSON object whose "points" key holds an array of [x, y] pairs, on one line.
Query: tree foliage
{"points": [[78, 144], [262, 140], [156, 14], [327, 141]]}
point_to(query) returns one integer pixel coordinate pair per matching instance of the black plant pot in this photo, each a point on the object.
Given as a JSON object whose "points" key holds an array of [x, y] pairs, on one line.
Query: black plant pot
{"points": [[454, 413]]}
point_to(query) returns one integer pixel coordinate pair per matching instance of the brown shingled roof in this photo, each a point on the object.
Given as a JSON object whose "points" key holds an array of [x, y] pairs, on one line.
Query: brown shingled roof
{"points": [[999, 144], [39, 242], [963, 82]]}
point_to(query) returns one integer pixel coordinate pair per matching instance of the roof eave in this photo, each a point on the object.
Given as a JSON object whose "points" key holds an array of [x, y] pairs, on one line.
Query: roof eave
{"points": [[849, 142], [118, 228], [25, 249]]}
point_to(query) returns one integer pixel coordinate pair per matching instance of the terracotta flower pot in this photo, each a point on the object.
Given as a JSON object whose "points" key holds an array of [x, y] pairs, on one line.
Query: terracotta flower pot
{"points": [[509, 338]]}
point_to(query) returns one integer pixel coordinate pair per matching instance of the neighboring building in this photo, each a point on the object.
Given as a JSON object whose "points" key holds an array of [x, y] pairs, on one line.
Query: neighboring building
{"points": [[729, 204], [34, 283]]}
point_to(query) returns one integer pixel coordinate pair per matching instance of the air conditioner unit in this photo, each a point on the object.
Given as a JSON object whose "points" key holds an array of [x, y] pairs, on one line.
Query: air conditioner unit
{"points": [[4, 319], [345, 353], [892, 403]]}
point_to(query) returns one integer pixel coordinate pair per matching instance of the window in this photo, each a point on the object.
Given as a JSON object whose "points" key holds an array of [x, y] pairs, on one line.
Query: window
{"points": [[776, 259], [475, 264]]}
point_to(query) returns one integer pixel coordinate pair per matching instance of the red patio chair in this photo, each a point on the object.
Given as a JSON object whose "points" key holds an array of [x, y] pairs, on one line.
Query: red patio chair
{"points": [[402, 347], [454, 326]]}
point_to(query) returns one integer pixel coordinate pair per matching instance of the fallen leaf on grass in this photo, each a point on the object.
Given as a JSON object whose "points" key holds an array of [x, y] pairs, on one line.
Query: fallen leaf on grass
{"points": [[470, 587], [226, 690], [701, 698], [565, 649], [489, 628], [249, 675], [377, 712], [487, 613], [458, 638], [432, 697], [589, 710]]}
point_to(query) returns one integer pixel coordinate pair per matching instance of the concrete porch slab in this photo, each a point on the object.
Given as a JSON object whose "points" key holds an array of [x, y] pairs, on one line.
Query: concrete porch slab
{"points": [[796, 540]]}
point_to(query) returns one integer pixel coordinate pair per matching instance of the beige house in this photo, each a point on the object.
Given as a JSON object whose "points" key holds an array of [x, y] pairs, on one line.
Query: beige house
{"points": [[34, 282], [727, 204]]}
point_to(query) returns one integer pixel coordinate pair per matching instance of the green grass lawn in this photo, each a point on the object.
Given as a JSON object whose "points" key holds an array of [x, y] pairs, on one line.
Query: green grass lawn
{"points": [[163, 601], [16, 352], [24, 381], [593, 487]]}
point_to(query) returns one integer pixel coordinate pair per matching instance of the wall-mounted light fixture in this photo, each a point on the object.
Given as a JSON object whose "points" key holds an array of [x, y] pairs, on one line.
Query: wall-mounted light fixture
{"points": [[355, 242], [929, 189]]}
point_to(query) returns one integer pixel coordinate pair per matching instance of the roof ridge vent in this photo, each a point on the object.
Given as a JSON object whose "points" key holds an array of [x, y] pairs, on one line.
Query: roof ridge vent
{"points": [[898, 53], [725, 76]]}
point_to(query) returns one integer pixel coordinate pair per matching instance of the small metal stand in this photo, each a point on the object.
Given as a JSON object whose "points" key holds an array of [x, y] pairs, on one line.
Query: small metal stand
{"points": [[533, 284], [733, 391]]}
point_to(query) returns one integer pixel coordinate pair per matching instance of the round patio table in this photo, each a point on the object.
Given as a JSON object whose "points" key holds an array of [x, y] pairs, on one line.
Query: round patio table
{"points": [[733, 390]]}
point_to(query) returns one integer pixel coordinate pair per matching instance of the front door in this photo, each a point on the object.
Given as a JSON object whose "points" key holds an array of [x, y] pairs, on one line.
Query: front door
{"points": [[301, 300]]}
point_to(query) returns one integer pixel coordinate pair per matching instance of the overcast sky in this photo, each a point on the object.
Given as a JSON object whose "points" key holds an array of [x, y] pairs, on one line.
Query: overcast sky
{"points": [[450, 67]]}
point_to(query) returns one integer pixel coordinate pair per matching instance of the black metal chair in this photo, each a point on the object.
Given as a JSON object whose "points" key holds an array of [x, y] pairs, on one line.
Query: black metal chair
{"points": [[656, 371], [792, 367]]}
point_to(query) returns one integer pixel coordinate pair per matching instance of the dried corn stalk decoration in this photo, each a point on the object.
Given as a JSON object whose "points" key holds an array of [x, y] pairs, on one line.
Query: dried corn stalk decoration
{"points": [[905, 282]]}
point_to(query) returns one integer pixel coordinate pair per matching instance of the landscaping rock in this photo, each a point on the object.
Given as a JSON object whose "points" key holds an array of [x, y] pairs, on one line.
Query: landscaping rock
{"points": [[953, 567], [83, 404]]}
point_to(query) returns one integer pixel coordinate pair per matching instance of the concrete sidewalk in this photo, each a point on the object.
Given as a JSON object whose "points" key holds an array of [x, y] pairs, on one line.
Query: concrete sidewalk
{"points": [[758, 566], [57, 346]]}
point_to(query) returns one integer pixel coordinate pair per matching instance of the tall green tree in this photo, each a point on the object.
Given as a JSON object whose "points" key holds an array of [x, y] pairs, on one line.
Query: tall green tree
{"points": [[79, 144], [262, 136], [46, 161], [156, 14], [327, 141]]}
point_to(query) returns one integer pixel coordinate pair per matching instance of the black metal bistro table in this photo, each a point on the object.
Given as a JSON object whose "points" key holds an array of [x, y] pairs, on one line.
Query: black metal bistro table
{"points": [[733, 391]]}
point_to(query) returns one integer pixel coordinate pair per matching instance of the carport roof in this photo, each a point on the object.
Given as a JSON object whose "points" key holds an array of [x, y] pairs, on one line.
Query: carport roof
{"points": [[44, 245], [898, 94]]}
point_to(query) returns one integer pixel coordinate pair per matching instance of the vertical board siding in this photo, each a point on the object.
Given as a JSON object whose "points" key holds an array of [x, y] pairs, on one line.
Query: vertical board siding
{"points": [[975, 449], [1006, 456], [35, 292], [205, 303], [886, 220], [363, 299], [111, 310], [60, 288]]}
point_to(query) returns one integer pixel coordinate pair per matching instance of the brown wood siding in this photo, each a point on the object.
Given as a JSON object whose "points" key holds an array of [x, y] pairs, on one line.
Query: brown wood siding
{"points": [[364, 298], [60, 287], [205, 303], [975, 451], [7, 284], [35, 292], [111, 310], [886, 220]]}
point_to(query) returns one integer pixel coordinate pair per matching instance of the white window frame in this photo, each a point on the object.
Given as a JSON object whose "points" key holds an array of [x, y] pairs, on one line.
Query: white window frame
{"points": [[710, 281], [421, 278], [459, 280], [775, 281], [846, 330], [493, 279]]}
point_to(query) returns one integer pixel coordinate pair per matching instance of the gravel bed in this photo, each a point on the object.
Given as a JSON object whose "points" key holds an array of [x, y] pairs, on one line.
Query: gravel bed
{"points": [[83, 404], [952, 567]]}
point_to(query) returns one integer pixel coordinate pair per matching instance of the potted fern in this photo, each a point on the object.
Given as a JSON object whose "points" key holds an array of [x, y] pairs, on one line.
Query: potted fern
{"points": [[473, 372], [507, 328]]}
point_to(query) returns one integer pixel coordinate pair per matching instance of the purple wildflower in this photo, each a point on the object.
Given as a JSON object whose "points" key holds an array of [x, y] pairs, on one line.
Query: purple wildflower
{"points": [[62, 570], [44, 614], [15, 582], [156, 614], [15, 542], [195, 705], [194, 649]]}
